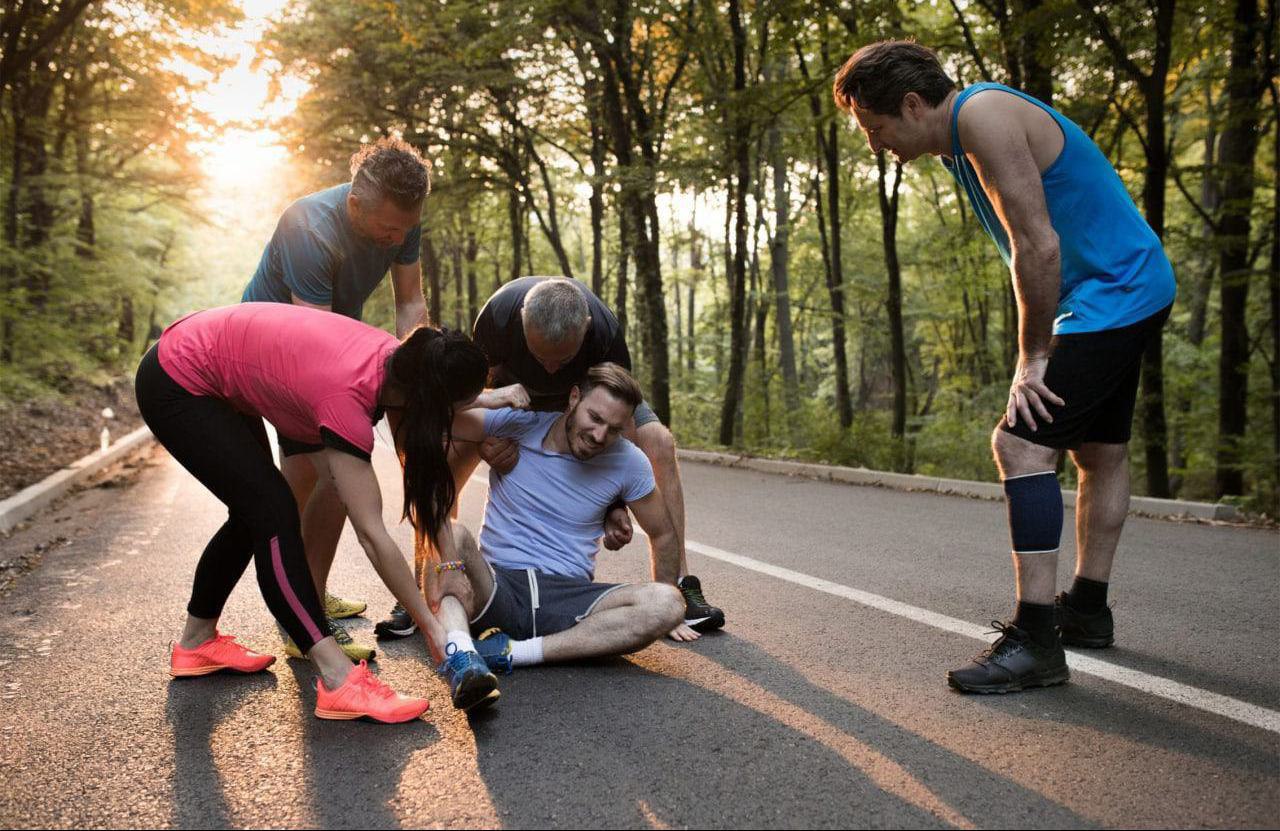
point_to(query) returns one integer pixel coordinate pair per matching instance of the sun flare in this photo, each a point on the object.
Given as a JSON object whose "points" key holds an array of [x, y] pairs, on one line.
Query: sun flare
{"points": [[244, 150]]}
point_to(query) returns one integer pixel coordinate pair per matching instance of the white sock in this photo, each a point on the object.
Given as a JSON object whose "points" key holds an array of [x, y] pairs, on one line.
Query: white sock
{"points": [[459, 641], [526, 653]]}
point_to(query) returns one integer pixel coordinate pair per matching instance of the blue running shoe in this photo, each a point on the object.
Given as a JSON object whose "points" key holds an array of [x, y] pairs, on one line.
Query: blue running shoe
{"points": [[495, 647], [471, 684]]}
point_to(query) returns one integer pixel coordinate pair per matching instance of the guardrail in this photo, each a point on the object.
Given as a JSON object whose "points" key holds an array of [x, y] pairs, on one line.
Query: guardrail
{"points": [[23, 504], [1145, 505]]}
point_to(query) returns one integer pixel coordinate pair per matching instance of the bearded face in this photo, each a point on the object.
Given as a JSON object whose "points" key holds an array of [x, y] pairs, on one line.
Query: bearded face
{"points": [[594, 422]]}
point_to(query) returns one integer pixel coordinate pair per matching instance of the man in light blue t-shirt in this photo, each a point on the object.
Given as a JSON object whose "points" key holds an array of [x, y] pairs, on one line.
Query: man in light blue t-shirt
{"points": [[531, 574]]}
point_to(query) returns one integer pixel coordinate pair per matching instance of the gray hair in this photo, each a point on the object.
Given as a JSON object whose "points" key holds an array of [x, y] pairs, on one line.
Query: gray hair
{"points": [[556, 309]]}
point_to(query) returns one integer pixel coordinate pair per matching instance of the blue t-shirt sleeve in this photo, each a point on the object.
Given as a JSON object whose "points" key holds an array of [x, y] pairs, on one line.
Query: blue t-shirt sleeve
{"points": [[411, 251], [307, 264], [638, 481], [508, 423]]}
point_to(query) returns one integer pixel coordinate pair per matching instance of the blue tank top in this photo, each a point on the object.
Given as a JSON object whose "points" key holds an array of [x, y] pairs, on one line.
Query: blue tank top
{"points": [[1114, 269]]}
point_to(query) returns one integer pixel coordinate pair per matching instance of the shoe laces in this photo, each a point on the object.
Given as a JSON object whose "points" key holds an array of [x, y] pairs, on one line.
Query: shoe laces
{"points": [[370, 683], [456, 662], [219, 643], [1007, 631], [340, 634], [693, 596]]}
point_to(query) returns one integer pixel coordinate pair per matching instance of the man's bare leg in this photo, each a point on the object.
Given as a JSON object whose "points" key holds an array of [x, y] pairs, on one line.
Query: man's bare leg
{"points": [[657, 443], [464, 458], [1035, 574], [625, 620], [659, 446], [322, 514], [1101, 508]]}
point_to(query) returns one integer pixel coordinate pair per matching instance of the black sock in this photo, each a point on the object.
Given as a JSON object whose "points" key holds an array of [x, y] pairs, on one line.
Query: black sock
{"points": [[1087, 595], [1037, 620]]}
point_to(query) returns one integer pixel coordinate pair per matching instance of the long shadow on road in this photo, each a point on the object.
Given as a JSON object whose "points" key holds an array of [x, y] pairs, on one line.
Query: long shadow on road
{"points": [[671, 737], [194, 708], [353, 774]]}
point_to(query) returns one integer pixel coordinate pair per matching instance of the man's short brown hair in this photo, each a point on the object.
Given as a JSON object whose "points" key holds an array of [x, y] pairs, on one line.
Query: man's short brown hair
{"points": [[616, 380], [879, 75], [390, 168]]}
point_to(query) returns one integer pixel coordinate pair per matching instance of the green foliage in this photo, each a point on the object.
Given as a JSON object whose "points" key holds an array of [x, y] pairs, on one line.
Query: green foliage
{"points": [[508, 99]]}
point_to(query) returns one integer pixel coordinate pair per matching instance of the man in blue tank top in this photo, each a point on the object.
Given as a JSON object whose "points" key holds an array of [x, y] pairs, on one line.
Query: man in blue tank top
{"points": [[1093, 287]]}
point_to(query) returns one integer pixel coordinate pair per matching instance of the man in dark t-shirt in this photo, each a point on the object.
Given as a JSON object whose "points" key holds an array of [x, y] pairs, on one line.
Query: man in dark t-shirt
{"points": [[541, 335]]}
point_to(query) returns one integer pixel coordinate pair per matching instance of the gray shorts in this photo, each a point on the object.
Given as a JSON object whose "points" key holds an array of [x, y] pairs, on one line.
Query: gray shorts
{"points": [[527, 603]]}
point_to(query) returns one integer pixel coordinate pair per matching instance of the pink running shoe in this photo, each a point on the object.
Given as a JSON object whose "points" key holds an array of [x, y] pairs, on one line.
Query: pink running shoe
{"points": [[362, 695], [214, 655]]}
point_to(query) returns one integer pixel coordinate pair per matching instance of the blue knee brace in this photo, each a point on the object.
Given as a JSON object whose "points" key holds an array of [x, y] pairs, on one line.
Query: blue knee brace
{"points": [[1035, 512]]}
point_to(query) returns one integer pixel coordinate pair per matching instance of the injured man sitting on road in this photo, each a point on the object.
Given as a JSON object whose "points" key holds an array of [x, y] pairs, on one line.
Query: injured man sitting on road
{"points": [[531, 575]]}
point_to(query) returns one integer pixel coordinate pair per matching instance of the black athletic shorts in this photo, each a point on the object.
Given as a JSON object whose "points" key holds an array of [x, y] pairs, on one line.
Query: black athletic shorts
{"points": [[291, 447], [1096, 374]]}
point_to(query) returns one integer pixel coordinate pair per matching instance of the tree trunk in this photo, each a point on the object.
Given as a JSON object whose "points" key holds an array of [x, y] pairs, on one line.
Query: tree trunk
{"points": [[624, 262], [473, 299], [431, 265], [835, 285], [597, 205], [1236, 158], [779, 261], [893, 304], [738, 276], [1037, 74], [516, 218]]}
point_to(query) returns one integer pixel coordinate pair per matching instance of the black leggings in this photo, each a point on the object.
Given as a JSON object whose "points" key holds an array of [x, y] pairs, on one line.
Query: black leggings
{"points": [[229, 453]]}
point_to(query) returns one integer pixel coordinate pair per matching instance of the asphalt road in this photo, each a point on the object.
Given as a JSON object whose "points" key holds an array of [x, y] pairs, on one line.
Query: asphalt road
{"points": [[810, 709]]}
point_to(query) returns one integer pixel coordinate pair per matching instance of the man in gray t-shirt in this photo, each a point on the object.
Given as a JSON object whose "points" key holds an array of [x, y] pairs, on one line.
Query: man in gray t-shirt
{"points": [[330, 251], [531, 574]]}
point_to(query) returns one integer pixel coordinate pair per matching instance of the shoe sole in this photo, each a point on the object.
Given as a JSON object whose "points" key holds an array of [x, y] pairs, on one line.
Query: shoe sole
{"points": [[1014, 686], [332, 613], [1098, 642], [389, 633], [342, 715], [481, 692], [196, 672]]}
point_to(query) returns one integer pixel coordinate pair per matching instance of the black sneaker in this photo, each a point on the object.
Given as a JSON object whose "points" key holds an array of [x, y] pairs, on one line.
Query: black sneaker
{"points": [[1016, 661], [1091, 630], [399, 625], [699, 615]]}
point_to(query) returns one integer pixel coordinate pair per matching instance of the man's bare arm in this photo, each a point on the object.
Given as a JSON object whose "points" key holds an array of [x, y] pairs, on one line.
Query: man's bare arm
{"points": [[411, 305], [651, 512], [1003, 160]]}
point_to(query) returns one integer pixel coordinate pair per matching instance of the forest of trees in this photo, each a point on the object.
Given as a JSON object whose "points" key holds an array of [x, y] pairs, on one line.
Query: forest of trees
{"points": [[784, 290]]}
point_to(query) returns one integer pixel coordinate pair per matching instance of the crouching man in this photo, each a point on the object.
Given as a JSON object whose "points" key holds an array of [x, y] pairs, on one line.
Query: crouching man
{"points": [[532, 572]]}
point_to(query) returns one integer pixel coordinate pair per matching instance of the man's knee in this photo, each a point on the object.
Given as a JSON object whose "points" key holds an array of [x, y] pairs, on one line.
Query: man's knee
{"points": [[1098, 458], [663, 605], [657, 443], [1016, 456]]}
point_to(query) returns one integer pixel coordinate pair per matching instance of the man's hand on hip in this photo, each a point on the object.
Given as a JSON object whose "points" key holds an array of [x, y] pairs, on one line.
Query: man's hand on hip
{"points": [[1028, 392]]}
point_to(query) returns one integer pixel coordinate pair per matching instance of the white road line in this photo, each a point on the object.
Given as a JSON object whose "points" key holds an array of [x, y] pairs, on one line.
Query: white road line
{"points": [[1210, 702]]}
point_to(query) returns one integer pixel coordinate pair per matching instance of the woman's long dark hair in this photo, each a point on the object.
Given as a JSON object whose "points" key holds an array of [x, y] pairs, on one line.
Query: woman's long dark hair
{"points": [[432, 368]]}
